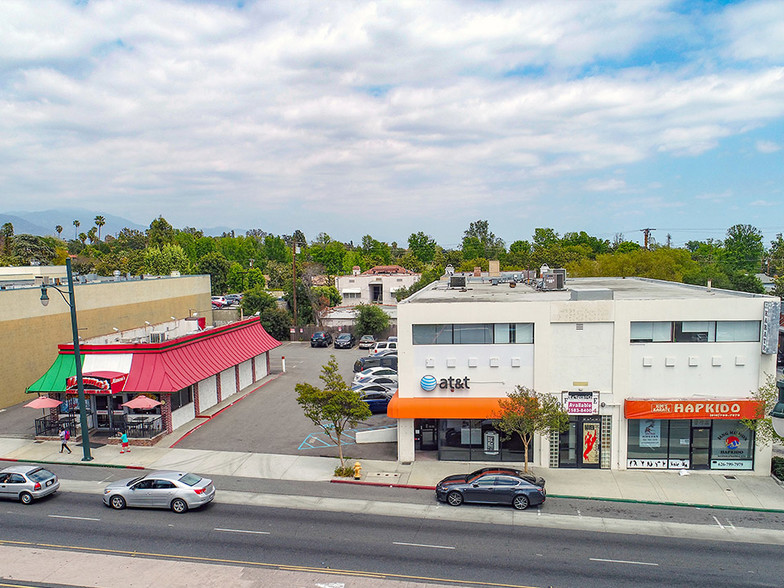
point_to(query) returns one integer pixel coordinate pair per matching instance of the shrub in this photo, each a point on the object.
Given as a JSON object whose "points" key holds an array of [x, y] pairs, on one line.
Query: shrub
{"points": [[777, 467], [344, 472]]}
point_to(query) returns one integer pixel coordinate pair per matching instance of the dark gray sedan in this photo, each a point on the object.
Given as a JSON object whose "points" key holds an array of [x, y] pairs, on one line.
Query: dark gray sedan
{"points": [[178, 491], [26, 483], [490, 486]]}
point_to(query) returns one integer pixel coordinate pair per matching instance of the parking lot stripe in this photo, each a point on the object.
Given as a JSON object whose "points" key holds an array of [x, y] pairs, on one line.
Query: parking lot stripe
{"points": [[422, 545], [242, 531], [75, 518]]}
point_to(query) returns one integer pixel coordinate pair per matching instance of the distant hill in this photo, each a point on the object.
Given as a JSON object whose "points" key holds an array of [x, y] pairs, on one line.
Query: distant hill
{"points": [[43, 222]]}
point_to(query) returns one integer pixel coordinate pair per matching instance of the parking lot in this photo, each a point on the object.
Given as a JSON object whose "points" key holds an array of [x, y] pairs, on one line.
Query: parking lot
{"points": [[271, 421]]}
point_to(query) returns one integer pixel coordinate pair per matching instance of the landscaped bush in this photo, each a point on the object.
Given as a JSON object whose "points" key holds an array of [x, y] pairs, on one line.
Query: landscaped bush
{"points": [[777, 467], [344, 472]]}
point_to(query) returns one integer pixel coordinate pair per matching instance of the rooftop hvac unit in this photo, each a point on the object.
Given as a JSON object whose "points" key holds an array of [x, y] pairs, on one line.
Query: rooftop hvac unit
{"points": [[555, 280], [457, 282], [157, 337]]}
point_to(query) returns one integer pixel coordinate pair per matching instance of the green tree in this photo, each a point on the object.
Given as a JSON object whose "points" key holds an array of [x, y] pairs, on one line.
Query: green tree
{"points": [[99, 222], [130, 240], [778, 287], [7, 236], [32, 248], [257, 300], [59, 229], [480, 242], [163, 261], [767, 396], [160, 233], [776, 257], [371, 320], [335, 407], [525, 412], [276, 322], [217, 266], [328, 296], [76, 224], [422, 246], [92, 234], [743, 249]]}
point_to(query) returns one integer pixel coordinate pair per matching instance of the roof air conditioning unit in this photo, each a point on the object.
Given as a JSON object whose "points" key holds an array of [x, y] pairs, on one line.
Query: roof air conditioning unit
{"points": [[157, 337], [457, 282]]}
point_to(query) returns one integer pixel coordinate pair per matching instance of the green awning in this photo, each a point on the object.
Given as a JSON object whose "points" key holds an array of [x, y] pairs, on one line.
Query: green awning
{"points": [[54, 380]]}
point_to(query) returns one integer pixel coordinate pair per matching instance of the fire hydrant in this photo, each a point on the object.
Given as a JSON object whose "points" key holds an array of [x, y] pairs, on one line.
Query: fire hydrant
{"points": [[357, 470]]}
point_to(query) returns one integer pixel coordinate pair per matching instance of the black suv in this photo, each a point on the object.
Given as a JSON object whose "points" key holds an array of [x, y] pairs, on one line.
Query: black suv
{"points": [[369, 361], [321, 339], [345, 341]]}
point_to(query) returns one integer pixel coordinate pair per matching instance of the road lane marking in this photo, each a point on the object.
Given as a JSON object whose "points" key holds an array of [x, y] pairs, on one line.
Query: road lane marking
{"points": [[74, 518], [242, 531], [422, 545], [729, 522], [718, 523], [622, 561]]}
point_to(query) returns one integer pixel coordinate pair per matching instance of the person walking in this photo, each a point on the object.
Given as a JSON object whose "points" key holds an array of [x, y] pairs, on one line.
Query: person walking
{"points": [[65, 435], [124, 443]]}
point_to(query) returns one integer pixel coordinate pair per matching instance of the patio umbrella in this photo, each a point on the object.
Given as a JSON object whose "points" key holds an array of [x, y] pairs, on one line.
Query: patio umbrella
{"points": [[43, 402], [142, 403]]}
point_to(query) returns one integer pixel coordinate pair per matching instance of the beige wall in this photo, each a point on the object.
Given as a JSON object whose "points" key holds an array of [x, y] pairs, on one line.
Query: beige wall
{"points": [[31, 332]]}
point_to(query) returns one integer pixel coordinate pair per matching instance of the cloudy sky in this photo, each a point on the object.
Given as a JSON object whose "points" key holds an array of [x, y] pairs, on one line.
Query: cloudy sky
{"points": [[388, 118]]}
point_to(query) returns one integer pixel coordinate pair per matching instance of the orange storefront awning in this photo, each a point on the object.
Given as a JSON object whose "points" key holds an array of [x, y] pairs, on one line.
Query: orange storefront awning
{"points": [[442, 408], [693, 409]]}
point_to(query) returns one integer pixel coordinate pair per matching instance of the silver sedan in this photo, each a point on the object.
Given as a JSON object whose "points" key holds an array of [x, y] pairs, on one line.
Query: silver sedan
{"points": [[27, 483], [178, 491]]}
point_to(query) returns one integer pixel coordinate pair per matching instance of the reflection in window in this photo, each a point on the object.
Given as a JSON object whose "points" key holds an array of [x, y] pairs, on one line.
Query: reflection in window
{"points": [[472, 334], [651, 332], [738, 331]]}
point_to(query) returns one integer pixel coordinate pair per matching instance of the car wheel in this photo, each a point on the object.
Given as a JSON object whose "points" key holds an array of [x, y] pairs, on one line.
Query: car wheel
{"points": [[454, 498], [26, 498], [117, 502], [520, 502], [179, 506]]}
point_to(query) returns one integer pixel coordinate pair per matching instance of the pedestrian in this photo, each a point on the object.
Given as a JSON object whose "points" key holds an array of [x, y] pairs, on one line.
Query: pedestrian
{"points": [[65, 435], [124, 443]]}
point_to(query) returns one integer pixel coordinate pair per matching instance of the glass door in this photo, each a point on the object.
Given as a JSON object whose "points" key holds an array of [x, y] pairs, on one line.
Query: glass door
{"points": [[567, 447], [700, 448], [591, 452]]}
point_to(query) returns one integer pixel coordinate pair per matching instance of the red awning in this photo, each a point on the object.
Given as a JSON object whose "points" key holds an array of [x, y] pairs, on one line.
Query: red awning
{"points": [[98, 383], [442, 408], [742, 408], [183, 362]]}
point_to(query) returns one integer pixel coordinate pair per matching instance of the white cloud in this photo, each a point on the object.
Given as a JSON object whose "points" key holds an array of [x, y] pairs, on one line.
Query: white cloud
{"points": [[293, 113], [767, 146]]}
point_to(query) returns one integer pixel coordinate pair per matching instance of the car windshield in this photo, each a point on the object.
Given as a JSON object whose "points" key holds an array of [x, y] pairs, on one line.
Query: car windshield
{"points": [[39, 475], [132, 482], [344, 337], [190, 479]]}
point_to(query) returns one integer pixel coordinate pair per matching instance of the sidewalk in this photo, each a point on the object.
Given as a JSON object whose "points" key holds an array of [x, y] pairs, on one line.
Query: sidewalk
{"points": [[728, 490]]}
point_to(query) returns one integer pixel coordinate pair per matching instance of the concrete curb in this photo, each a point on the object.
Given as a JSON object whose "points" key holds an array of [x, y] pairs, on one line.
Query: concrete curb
{"points": [[596, 498], [76, 463]]}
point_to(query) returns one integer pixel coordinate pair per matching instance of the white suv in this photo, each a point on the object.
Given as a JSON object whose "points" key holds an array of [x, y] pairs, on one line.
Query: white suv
{"points": [[383, 346]]}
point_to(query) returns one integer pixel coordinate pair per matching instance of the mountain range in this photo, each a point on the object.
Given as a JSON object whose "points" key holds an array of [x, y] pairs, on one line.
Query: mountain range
{"points": [[43, 223]]}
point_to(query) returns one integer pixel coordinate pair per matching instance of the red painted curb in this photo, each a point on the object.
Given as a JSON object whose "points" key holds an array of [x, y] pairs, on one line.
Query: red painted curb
{"points": [[361, 483], [209, 418]]}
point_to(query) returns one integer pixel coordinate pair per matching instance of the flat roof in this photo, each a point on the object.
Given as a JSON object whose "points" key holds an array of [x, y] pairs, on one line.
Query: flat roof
{"points": [[589, 289]]}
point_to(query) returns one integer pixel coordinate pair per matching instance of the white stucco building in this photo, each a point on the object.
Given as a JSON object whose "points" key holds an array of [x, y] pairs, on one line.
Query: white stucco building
{"points": [[654, 374], [375, 286]]}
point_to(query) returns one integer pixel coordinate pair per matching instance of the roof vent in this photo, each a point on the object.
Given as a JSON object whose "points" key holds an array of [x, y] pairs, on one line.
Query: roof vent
{"points": [[457, 282]]}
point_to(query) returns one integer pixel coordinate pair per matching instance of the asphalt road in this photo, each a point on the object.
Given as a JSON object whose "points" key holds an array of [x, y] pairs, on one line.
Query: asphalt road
{"points": [[271, 421], [401, 548]]}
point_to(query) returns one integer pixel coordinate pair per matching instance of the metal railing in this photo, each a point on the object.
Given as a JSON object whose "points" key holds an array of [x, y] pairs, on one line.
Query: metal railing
{"points": [[136, 428], [49, 426]]}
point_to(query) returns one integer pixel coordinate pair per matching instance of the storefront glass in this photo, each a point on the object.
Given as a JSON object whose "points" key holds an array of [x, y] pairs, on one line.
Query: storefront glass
{"points": [[732, 446], [478, 440]]}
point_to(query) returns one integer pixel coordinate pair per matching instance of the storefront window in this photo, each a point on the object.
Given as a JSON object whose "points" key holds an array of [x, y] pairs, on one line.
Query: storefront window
{"points": [[695, 331], [432, 334], [680, 430], [651, 332], [472, 334], [478, 440], [649, 441], [738, 331], [513, 333], [732, 446]]}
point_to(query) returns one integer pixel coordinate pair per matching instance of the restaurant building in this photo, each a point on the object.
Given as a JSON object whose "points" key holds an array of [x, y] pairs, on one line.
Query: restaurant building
{"points": [[185, 366], [653, 374]]}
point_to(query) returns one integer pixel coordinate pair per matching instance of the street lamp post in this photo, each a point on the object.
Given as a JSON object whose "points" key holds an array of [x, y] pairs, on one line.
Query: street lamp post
{"points": [[77, 356]]}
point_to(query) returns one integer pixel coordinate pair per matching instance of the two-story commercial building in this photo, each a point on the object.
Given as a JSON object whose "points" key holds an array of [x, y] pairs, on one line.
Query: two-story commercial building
{"points": [[653, 374], [375, 286]]}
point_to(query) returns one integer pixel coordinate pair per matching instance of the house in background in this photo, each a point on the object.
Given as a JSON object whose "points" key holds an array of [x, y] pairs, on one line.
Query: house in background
{"points": [[375, 286]]}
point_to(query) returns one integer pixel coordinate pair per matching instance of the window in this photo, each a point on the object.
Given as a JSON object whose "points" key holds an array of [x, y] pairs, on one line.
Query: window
{"points": [[164, 485], [651, 332], [349, 295], [694, 331], [181, 398], [473, 334], [738, 331]]}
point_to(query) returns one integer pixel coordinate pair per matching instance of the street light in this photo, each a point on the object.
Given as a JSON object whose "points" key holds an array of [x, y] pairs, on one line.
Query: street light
{"points": [[77, 355], [777, 414]]}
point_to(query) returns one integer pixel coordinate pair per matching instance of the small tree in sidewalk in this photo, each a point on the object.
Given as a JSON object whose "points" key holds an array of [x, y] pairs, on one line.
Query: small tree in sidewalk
{"points": [[334, 408], [767, 396], [525, 412]]}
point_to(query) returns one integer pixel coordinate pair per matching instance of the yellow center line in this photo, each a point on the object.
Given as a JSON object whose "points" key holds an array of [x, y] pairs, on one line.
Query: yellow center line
{"points": [[284, 567]]}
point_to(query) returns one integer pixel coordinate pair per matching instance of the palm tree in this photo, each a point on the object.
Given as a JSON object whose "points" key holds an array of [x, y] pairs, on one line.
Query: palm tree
{"points": [[76, 224], [99, 222], [59, 229], [91, 235], [83, 237]]}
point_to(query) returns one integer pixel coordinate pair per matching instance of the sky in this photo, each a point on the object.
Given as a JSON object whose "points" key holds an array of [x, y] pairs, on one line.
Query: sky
{"points": [[389, 118]]}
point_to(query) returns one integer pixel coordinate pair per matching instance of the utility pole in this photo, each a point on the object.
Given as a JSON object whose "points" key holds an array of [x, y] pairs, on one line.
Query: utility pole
{"points": [[294, 282], [647, 234]]}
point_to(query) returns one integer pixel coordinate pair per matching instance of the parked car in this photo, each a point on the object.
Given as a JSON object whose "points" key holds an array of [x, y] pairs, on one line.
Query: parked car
{"points": [[376, 371], [377, 401], [538, 480], [26, 483], [363, 388], [367, 341], [492, 486], [383, 380], [383, 346], [219, 302], [232, 299], [392, 339], [345, 341], [178, 491], [321, 339], [369, 361]]}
